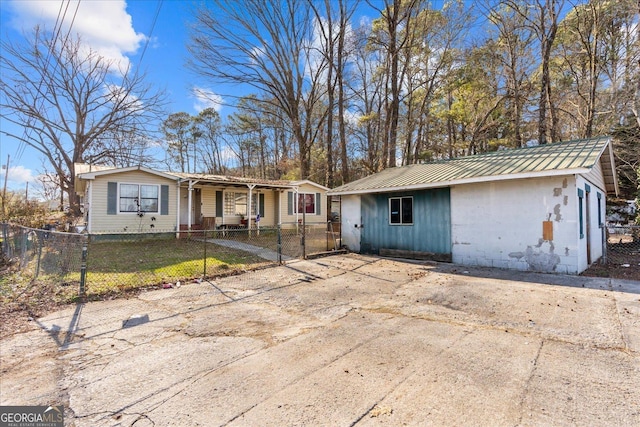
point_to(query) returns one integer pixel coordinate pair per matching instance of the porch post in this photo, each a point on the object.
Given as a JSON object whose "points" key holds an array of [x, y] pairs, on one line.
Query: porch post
{"points": [[295, 208], [249, 214], [178, 209], [189, 205], [279, 204]]}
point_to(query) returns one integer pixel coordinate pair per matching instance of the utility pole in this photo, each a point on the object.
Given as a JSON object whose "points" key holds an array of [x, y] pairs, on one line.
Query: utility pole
{"points": [[4, 190]]}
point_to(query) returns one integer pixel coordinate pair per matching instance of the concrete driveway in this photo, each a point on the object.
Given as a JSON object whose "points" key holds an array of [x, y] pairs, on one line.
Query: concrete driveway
{"points": [[342, 341]]}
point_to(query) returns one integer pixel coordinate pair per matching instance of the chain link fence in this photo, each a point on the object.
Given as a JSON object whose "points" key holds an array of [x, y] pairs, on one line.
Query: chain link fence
{"points": [[70, 265], [623, 244]]}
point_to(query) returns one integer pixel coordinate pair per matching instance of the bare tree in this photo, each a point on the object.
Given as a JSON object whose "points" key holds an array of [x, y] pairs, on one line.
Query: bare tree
{"points": [[124, 148], [542, 17], [332, 30], [265, 45], [69, 101], [512, 48], [177, 130], [392, 33], [49, 187], [210, 147]]}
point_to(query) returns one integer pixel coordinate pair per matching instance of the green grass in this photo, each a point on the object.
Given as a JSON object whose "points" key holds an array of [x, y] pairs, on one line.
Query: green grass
{"points": [[117, 266]]}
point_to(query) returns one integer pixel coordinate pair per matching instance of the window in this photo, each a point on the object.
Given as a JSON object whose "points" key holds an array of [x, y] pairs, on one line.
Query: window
{"points": [[139, 198], [306, 203], [580, 212], [599, 209], [236, 203], [401, 210]]}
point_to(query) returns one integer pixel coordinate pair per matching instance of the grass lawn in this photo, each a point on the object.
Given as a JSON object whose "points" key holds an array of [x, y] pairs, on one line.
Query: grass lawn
{"points": [[116, 266]]}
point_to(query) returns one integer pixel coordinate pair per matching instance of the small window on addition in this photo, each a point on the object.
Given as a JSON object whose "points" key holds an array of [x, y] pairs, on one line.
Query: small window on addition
{"points": [[401, 210], [580, 214]]}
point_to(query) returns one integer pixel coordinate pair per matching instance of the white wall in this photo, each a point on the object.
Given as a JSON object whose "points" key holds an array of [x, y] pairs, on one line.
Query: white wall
{"points": [[592, 230], [350, 218], [499, 224]]}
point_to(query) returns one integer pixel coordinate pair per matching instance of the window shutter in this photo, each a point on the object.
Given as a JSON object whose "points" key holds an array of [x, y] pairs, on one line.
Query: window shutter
{"points": [[219, 204], [112, 198], [290, 203], [164, 200], [318, 204], [261, 205]]}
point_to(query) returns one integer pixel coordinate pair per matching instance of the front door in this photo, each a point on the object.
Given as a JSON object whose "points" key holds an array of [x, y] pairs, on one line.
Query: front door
{"points": [[196, 206]]}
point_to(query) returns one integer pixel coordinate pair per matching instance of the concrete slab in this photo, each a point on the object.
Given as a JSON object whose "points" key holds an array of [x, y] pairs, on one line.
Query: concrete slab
{"points": [[342, 340]]}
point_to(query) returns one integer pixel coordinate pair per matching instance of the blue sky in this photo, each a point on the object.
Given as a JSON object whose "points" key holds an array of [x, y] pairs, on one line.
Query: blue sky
{"points": [[118, 29], [122, 30]]}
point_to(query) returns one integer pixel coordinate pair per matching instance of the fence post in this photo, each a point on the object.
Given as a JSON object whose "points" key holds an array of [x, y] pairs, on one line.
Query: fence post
{"points": [[204, 273], [39, 246], [6, 247], [304, 229], [83, 267], [279, 244]]}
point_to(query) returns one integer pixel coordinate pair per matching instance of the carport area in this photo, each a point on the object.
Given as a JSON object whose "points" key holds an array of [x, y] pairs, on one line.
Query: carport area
{"points": [[341, 341]]}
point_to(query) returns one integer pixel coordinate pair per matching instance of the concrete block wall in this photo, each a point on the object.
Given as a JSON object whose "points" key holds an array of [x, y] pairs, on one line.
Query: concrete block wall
{"points": [[500, 224]]}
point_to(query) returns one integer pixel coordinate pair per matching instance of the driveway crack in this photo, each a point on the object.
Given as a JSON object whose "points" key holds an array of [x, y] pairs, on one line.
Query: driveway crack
{"points": [[525, 391]]}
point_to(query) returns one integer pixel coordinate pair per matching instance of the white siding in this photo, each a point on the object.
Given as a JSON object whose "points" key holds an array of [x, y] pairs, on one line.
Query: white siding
{"points": [[596, 176], [130, 222], [350, 218], [209, 207], [499, 224], [309, 218]]}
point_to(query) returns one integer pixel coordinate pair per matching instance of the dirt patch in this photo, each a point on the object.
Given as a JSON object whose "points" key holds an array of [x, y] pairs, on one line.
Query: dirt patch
{"points": [[621, 264], [626, 271]]}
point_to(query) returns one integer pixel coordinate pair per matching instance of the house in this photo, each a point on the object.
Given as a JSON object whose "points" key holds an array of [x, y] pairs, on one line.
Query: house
{"points": [[134, 199], [540, 208]]}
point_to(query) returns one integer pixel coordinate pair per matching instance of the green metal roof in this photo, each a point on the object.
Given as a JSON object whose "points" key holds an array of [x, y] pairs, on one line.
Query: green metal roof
{"points": [[560, 158]]}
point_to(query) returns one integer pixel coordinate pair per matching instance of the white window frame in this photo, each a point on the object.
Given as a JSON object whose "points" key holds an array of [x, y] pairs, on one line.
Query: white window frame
{"points": [[227, 199], [297, 202], [120, 184]]}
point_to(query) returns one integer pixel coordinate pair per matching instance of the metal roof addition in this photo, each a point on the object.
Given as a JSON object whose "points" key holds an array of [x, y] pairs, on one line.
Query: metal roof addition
{"points": [[561, 158]]}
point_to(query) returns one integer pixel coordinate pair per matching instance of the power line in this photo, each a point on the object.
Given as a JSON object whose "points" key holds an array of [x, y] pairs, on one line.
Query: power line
{"points": [[56, 35], [153, 26]]}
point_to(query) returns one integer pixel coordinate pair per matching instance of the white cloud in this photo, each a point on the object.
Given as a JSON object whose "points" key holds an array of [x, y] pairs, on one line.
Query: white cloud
{"points": [[118, 94], [19, 175], [206, 98], [352, 117], [255, 53], [104, 26]]}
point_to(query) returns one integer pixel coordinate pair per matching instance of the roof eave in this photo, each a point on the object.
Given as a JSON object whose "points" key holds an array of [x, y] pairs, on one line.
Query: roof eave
{"points": [[307, 181], [93, 175], [474, 180], [612, 162], [223, 183]]}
